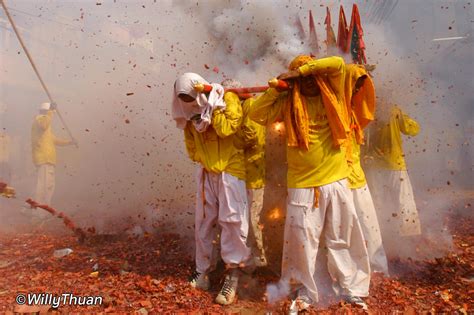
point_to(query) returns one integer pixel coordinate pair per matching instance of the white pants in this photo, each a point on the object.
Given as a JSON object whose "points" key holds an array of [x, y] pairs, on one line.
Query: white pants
{"points": [[348, 262], [225, 203], [370, 226], [45, 184], [255, 241], [393, 196]]}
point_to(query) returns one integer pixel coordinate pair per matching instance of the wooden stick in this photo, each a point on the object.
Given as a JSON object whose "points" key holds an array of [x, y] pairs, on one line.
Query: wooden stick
{"points": [[34, 67], [244, 91]]}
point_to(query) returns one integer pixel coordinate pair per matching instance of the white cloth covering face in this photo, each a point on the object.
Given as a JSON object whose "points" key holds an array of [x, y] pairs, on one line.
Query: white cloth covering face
{"points": [[183, 111]]}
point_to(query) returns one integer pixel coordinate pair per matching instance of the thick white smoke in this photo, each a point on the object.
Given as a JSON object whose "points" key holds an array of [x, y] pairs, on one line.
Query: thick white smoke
{"points": [[131, 166]]}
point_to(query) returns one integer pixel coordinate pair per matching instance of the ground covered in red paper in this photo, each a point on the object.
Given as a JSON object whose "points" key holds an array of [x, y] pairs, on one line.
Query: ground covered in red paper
{"points": [[149, 274]]}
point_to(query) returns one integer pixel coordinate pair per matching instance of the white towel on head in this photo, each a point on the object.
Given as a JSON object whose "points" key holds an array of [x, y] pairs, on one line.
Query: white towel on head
{"points": [[183, 111]]}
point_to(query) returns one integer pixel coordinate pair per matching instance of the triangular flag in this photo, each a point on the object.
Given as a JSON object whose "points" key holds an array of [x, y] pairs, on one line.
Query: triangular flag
{"points": [[299, 27], [357, 45], [330, 37], [313, 37], [342, 32]]}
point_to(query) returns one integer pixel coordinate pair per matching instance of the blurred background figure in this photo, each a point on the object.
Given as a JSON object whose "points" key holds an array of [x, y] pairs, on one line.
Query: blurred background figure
{"points": [[389, 178], [43, 147]]}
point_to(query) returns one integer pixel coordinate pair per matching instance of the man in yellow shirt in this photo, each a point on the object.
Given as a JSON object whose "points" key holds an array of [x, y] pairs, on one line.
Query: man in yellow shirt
{"points": [[389, 180], [210, 122], [251, 138], [360, 99], [318, 129], [43, 147]]}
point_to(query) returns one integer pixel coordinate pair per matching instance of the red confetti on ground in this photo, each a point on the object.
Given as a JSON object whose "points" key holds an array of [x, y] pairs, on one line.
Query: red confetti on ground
{"points": [[151, 273]]}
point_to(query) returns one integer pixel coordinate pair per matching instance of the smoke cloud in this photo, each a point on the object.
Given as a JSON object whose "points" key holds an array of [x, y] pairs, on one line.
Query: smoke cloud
{"points": [[110, 66]]}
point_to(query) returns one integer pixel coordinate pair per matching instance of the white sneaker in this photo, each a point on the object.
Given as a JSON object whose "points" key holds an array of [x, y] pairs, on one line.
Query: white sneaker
{"points": [[355, 300], [227, 294], [199, 281]]}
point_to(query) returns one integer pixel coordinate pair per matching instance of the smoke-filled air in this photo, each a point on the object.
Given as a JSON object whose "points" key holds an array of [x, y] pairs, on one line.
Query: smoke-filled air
{"points": [[104, 193]]}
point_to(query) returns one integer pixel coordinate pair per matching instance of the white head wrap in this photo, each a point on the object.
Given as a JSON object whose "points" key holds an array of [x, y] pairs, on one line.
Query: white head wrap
{"points": [[44, 106], [183, 111]]}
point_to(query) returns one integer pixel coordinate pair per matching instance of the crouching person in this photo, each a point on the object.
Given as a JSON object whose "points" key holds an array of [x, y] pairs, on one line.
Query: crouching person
{"points": [[210, 121], [251, 139]]}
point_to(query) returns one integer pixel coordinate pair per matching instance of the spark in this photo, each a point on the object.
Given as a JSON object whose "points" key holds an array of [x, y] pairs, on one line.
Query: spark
{"points": [[277, 126], [275, 214]]}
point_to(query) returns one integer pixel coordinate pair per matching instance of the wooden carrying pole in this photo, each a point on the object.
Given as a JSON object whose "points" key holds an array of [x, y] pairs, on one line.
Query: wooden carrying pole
{"points": [[34, 67]]}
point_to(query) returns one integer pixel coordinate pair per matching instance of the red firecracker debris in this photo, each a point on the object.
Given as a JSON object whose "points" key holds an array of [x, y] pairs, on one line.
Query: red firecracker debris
{"points": [[67, 221]]}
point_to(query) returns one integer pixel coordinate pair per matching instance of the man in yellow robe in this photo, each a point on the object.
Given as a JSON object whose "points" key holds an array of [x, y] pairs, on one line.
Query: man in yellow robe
{"points": [[210, 122], [317, 126], [389, 180], [43, 148]]}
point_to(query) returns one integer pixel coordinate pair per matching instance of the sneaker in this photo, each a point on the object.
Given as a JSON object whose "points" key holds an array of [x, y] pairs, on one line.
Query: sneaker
{"points": [[355, 300], [227, 294], [300, 304], [199, 281]]}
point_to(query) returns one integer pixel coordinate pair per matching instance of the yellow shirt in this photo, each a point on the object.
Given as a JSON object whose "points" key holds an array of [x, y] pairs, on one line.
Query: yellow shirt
{"points": [[388, 148], [356, 178], [214, 148], [251, 138], [43, 141], [323, 163]]}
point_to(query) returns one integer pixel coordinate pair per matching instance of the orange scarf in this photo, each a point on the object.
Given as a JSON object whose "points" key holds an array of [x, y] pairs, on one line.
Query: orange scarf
{"points": [[296, 112], [297, 119], [360, 104]]}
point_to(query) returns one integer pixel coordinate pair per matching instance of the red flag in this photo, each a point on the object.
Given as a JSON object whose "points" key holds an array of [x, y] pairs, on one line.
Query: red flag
{"points": [[356, 42], [313, 37], [330, 37], [342, 32]]}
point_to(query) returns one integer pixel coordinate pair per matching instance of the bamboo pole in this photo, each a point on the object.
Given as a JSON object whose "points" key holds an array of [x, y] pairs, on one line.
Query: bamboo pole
{"points": [[45, 88]]}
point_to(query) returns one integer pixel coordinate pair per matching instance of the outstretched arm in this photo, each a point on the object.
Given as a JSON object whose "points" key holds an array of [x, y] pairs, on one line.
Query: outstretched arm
{"points": [[330, 66], [267, 107], [62, 141]]}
